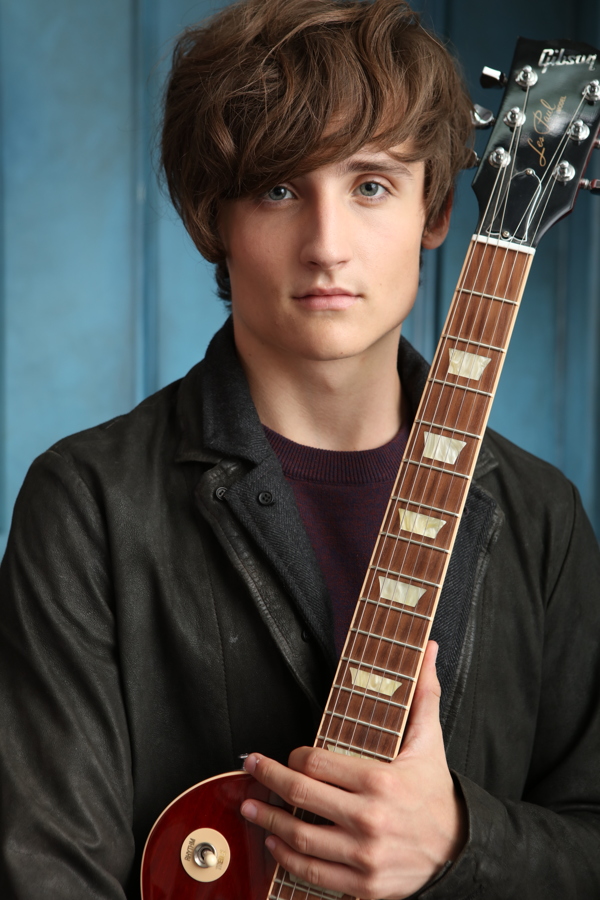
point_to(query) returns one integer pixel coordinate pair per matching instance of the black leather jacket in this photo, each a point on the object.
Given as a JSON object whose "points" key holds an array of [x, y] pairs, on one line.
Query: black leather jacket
{"points": [[158, 618]]}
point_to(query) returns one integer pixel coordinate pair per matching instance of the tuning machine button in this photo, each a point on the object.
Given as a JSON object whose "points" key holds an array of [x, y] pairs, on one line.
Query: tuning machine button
{"points": [[564, 172], [515, 117], [482, 117], [526, 78], [593, 185], [579, 131], [591, 92], [499, 158], [492, 78]]}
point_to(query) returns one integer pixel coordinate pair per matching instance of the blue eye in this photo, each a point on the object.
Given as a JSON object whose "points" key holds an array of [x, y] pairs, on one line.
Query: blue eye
{"points": [[279, 192], [370, 188]]}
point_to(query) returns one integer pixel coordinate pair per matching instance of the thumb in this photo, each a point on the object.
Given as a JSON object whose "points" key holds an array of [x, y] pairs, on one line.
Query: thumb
{"points": [[424, 731]]}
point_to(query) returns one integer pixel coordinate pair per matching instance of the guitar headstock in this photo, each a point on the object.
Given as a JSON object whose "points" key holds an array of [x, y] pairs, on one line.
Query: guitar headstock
{"points": [[544, 134]]}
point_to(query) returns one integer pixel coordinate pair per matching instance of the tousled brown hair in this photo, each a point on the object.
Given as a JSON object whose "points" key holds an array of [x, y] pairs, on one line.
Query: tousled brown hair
{"points": [[270, 89]]}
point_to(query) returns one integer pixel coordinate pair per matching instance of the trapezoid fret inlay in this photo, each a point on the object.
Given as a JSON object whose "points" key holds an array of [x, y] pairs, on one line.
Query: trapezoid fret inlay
{"points": [[467, 365], [442, 449], [372, 682], [399, 591], [420, 523]]}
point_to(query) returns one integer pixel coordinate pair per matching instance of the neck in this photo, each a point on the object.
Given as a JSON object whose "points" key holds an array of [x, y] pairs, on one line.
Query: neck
{"points": [[341, 404]]}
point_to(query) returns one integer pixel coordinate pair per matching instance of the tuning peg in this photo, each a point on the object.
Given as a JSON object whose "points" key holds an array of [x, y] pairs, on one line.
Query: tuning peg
{"points": [[492, 78], [482, 117], [593, 185]]}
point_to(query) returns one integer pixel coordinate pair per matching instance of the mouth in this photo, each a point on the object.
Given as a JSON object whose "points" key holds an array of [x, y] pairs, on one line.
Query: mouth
{"points": [[327, 298]]}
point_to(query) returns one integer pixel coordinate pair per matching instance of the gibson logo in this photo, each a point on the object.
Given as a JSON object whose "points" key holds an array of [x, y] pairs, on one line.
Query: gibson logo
{"points": [[560, 57]]}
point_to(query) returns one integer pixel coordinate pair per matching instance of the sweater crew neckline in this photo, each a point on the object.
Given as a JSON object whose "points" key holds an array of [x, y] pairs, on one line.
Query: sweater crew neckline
{"points": [[303, 463]]}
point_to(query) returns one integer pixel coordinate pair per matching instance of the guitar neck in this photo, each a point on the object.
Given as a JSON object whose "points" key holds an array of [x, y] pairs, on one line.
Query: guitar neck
{"points": [[369, 702], [373, 688]]}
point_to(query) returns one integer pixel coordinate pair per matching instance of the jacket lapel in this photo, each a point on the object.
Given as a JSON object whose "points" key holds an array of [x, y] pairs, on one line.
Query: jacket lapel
{"points": [[228, 430]]}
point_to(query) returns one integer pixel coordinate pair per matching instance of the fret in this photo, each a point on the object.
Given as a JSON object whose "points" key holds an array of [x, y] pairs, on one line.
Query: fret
{"points": [[471, 293], [382, 637], [417, 462], [360, 722], [433, 584], [451, 428], [411, 540], [506, 245], [464, 340], [298, 885], [461, 387], [371, 668], [469, 357], [422, 505], [398, 609], [358, 750], [360, 692]]}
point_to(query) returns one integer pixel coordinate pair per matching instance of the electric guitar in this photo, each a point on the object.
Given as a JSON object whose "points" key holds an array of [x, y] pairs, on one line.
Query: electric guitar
{"points": [[201, 848]]}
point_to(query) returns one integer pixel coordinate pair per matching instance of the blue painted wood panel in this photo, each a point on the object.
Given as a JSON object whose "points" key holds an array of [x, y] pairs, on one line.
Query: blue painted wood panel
{"points": [[104, 299]]}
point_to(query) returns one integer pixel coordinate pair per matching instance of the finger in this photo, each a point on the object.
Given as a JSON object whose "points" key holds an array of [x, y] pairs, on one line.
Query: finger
{"points": [[299, 790], [316, 872], [424, 730], [348, 772], [304, 837]]}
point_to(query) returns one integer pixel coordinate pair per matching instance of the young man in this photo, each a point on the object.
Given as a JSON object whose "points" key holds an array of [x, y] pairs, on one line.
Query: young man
{"points": [[177, 581]]}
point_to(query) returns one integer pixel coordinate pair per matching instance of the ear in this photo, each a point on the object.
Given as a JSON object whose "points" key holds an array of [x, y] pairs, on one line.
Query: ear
{"points": [[435, 234]]}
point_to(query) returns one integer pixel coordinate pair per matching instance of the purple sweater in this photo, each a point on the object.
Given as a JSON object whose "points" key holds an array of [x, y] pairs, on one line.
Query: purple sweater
{"points": [[341, 497]]}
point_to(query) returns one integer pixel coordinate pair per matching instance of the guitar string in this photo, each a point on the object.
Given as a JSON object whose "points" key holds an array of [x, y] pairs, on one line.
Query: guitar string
{"points": [[548, 189], [381, 704], [374, 610], [387, 614], [320, 894], [452, 384], [377, 701]]}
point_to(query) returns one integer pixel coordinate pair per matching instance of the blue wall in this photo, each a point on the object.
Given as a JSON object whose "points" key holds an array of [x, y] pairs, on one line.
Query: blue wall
{"points": [[103, 297]]}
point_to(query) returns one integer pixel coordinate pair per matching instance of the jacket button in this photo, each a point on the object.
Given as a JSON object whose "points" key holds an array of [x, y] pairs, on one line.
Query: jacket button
{"points": [[266, 498], [220, 492]]}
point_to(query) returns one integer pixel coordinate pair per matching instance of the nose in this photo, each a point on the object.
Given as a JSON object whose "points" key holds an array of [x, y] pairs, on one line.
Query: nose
{"points": [[326, 233]]}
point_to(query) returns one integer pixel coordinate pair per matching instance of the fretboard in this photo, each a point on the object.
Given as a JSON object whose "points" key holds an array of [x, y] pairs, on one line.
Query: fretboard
{"points": [[372, 692]]}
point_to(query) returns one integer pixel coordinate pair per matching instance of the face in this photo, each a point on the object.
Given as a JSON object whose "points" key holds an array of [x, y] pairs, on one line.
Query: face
{"points": [[326, 266]]}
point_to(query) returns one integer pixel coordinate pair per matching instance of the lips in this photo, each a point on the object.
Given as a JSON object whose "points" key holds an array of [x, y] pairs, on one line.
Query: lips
{"points": [[325, 292], [331, 298]]}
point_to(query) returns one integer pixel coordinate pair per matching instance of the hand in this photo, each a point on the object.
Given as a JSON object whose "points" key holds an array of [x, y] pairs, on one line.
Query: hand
{"points": [[394, 825]]}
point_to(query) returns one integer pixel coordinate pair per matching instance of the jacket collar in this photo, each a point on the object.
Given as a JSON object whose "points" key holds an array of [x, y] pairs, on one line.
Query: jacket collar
{"points": [[228, 425], [220, 425]]}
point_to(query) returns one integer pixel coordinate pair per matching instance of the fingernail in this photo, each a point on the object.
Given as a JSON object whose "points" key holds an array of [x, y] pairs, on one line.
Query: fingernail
{"points": [[249, 809], [270, 843], [250, 764]]}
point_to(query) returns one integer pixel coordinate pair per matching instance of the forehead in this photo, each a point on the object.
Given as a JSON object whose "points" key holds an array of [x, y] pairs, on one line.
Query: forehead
{"points": [[397, 162]]}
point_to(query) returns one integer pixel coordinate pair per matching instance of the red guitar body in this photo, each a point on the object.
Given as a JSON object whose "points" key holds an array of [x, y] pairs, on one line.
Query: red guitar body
{"points": [[243, 873]]}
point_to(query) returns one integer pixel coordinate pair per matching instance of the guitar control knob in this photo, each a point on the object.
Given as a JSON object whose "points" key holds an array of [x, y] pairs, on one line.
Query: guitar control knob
{"points": [[492, 78], [482, 117]]}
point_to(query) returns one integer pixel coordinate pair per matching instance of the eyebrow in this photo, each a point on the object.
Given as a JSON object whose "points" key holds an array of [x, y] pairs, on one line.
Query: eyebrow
{"points": [[367, 164]]}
